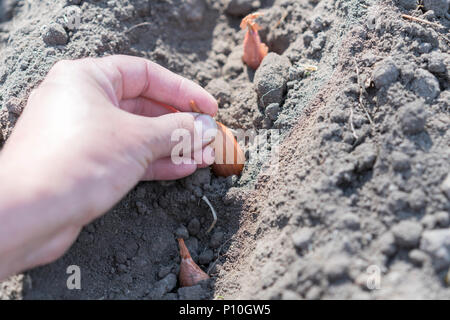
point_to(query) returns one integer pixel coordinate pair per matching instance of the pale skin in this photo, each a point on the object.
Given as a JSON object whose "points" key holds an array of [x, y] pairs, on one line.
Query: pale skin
{"points": [[88, 134]]}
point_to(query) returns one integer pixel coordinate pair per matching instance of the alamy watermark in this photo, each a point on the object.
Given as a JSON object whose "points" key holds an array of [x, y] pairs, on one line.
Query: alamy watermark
{"points": [[74, 279]]}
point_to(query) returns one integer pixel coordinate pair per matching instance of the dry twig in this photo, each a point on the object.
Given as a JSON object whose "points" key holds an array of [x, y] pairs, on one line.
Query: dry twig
{"points": [[137, 26], [361, 93], [213, 211]]}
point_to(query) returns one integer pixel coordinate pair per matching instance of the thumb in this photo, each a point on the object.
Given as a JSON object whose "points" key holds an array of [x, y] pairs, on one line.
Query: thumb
{"points": [[177, 134]]}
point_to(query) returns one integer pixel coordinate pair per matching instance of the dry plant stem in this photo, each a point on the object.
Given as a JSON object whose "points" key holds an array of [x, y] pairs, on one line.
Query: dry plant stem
{"points": [[351, 123], [436, 25], [361, 93], [408, 17], [137, 26], [213, 211]]}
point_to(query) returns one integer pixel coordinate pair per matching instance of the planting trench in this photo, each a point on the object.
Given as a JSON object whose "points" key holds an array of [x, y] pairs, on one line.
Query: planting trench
{"points": [[361, 182]]}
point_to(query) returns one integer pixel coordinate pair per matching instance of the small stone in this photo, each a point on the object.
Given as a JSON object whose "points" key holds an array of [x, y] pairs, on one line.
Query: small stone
{"points": [[350, 221], [412, 117], [13, 106], [407, 233], [428, 221], [386, 243], [192, 245], [385, 73], [191, 293], [366, 156], [271, 78], [408, 4], [193, 10], [417, 257], [400, 161], [216, 239], [194, 227], [302, 238], [54, 34], [163, 286], [272, 111], [308, 37], [436, 62], [425, 85], [440, 7], [417, 200], [182, 232], [337, 267], [443, 218], [240, 8], [141, 207], [425, 47], [437, 244], [445, 186], [72, 2], [164, 271], [206, 257]]}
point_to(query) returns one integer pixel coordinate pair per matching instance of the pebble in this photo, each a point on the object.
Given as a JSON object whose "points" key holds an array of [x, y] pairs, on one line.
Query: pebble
{"points": [[428, 221], [418, 257], [440, 7], [206, 257], [193, 10], [272, 111], [216, 239], [54, 34], [192, 245], [425, 47], [194, 227], [436, 62], [163, 286], [164, 271], [412, 117], [407, 233], [385, 73], [386, 243], [350, 221], [72, 2], [240, 8], [337, 267], [425, 85], [271, 78], [191, 293], [400, 161], [182, 232], [443, 218], [437, 244], [302, 238], [408, 4]]}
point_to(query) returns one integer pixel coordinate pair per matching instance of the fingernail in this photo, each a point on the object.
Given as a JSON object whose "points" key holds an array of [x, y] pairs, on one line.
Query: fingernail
{"points": [[205, 127]]}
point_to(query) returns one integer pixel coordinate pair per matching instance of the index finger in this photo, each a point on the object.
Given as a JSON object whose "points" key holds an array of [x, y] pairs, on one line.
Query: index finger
{"points": [[134, 77]]}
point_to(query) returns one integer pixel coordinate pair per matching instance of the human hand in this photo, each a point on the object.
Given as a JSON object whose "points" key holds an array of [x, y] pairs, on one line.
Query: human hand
{"points": [[88, 134]]}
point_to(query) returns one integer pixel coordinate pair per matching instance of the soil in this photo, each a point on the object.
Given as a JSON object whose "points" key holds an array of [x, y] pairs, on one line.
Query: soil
{"points": [[359, 192]]}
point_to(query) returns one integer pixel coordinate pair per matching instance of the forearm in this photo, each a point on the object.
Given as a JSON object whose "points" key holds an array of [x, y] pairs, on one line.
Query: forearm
{"points": [[31, 215]]}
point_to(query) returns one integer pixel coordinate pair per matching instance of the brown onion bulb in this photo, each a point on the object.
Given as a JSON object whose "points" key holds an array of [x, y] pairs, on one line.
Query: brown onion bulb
{"points": [[190, 272], [229, 157]]}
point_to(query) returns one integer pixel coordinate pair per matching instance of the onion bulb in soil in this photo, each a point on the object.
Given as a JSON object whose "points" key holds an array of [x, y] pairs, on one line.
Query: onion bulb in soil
{"points": [[190, 272]]}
